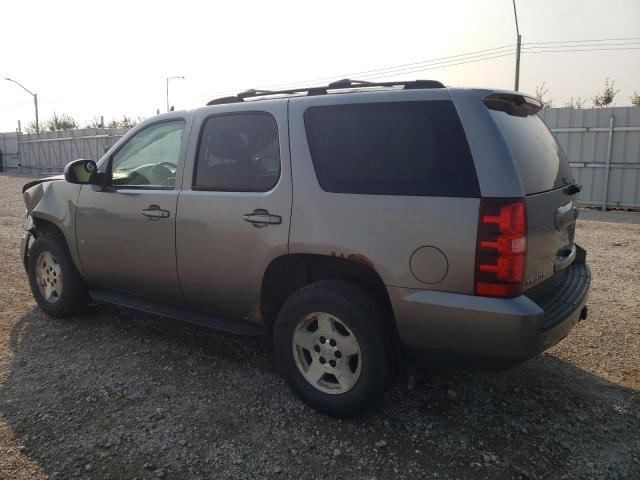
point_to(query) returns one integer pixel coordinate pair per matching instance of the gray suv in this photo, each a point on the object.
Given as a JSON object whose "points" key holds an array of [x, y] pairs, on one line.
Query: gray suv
{"points": [[363, 226]]}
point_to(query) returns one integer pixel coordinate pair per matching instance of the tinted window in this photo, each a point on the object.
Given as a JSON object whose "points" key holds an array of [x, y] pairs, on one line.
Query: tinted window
{"points": [[392, 148], [540, 160], [150, 158], [238, 153]]}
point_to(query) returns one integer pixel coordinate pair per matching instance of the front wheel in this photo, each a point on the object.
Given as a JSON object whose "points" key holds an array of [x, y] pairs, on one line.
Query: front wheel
{"points": [[332, 346], [54, 280]]}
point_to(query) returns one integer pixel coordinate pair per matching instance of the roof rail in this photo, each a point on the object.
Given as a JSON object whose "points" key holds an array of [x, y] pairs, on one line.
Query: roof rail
{"points": [[343, 84]]}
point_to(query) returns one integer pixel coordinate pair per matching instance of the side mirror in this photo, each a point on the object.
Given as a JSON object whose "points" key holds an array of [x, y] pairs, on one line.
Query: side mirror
{"points": [[82, 172]]}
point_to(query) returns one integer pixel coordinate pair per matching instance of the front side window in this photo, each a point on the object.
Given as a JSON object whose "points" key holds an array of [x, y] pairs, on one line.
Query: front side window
{"points": [[238, 153], [391, 148], [150, 158]]}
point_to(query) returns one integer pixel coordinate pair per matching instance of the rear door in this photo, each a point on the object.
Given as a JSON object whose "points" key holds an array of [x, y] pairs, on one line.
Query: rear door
{"points": [[545, 175], [386, 178], [235, 206]]}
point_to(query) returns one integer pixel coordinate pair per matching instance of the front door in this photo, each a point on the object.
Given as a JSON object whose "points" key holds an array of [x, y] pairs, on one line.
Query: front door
{"points": [[234, 207], [126, 231]]}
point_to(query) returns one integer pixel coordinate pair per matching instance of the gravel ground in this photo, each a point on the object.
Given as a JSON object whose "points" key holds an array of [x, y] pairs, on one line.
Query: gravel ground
{"points": [[123, 395]]}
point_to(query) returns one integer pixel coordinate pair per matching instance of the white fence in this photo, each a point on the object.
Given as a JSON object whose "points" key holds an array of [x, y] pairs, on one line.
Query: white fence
{"points": [[49, 152], [603, 148], [602, 144], [9, 150]]}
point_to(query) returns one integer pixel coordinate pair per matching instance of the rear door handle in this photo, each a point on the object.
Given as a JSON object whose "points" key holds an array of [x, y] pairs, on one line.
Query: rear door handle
{"points": [[154, 212], [262, 218]]}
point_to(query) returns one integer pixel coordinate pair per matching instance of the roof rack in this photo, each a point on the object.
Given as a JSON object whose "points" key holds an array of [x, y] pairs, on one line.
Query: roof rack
{"points": [[337, 85]]}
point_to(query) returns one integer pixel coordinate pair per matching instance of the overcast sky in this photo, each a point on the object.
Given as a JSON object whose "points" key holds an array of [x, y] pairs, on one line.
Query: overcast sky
{"points": [[89, 58]]}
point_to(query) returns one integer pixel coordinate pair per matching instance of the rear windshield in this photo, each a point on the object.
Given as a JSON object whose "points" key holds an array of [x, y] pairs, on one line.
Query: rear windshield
{"points": [[540, 160], [391, 148]]}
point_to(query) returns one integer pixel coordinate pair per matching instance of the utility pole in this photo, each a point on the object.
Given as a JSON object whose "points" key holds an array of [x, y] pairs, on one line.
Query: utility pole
{"points": [[518, 46], [35, 100], [168, 80]]}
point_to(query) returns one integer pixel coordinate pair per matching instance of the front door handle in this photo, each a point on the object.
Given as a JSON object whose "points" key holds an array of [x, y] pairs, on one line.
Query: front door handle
{"points": [[262, 218], [154, 212]]}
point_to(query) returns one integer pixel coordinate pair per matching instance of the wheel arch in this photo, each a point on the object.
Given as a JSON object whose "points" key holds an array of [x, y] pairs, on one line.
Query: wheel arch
{"points": [[44, 224], [287, 273]]}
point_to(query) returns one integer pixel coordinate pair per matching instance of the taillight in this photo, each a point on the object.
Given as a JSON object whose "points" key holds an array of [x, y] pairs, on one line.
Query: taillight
{"points": [[501, 248]]}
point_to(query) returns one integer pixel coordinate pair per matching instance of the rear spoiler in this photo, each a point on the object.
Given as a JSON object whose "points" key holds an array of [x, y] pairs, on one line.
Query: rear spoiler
{"points": [[513, 104]]}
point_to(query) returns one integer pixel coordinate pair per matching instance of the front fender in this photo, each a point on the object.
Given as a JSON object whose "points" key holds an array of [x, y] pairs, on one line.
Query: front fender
{"points": [[55, 202], [24, 247]]}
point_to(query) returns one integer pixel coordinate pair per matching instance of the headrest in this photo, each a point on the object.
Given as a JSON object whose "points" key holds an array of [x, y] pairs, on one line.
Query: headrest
{"points": [[228, 145]]}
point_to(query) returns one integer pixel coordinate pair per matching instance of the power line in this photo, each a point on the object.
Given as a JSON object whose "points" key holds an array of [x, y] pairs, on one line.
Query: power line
{"points": [[464, 58], [435, 67], [415, 69], [591, 40], [397, 67], [582, 50], [427, 65], [403, 68], [598, 45]]}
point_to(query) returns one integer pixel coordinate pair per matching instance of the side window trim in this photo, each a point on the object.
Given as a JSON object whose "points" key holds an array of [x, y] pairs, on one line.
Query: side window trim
{"points": [[196, 156], [108, 186]]}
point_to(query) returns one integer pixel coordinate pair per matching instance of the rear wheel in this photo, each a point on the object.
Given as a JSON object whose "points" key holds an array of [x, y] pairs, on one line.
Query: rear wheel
{"points": [[332, 346], [54, 280]]}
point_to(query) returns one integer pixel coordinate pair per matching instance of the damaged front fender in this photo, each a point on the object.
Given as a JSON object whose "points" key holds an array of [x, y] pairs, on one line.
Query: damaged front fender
{"points": [[52, 202]]}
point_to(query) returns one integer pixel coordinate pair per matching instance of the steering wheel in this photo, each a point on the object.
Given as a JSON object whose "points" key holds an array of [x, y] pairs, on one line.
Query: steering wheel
{"points": [[170, 165], [159, 174]]}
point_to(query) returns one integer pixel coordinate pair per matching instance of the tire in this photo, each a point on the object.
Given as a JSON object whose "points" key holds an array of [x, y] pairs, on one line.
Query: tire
{"points": [[54, 280], [334, 311]]}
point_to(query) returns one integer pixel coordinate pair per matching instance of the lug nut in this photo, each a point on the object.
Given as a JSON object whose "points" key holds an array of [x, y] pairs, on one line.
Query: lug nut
{"points": [[323, 340], [317, 348], [332, 363], [322, 360], [332, 342], [338, 354]]}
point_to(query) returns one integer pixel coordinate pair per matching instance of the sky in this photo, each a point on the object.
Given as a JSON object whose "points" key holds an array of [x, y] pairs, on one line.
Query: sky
{"points": [[87, 58]]}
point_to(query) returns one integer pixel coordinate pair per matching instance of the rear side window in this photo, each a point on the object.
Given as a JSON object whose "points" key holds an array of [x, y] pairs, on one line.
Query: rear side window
{"points": [[391, 148], [540, 160], [238, 153]]}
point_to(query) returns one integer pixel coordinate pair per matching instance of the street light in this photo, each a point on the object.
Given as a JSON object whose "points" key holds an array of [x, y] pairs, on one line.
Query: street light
{"points": [[168, 80], [35, 100]]}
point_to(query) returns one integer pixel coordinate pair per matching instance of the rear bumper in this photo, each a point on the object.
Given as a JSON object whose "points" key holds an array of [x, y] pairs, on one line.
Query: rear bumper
{"points": [[460, 327]]}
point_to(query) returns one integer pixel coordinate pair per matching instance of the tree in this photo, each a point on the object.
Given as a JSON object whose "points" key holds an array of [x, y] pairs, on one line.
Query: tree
{"points": [[576, 103], [95, 122], [541, 93], [54, 124], [31, 128], [605, 98], [635, 99], [124, 122], [60, 122]]}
